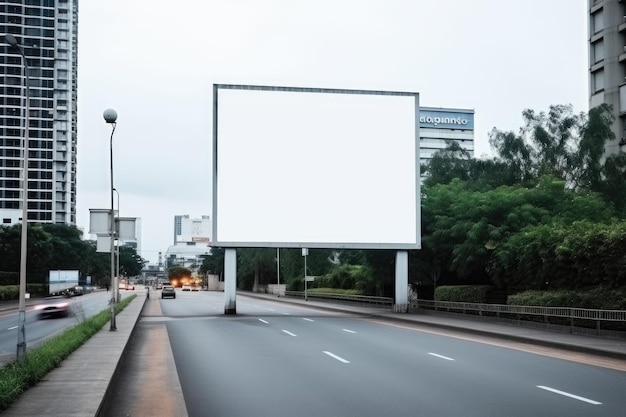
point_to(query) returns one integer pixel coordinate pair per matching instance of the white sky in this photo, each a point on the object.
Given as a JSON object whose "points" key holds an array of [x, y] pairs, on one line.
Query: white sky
{"points": [[155, 62]]}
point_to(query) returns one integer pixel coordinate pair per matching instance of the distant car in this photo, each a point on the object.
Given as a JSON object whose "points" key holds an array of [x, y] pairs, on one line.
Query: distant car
{"points": [[55, 306], [168, 291], [195, 288], [186, 287], [130, 287], [159, 286]]}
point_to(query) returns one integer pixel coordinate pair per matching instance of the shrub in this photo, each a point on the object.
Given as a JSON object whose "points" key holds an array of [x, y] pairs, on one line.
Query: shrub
{"points": [[463, 293], [594, 298]]}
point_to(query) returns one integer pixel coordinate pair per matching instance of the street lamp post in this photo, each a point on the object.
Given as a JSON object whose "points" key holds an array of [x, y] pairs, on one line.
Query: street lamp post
{"points": [[21, 333], [117, 248], [110, 116]]}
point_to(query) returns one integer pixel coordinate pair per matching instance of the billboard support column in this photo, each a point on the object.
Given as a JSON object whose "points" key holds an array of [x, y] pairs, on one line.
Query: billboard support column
{"points": [[230, 281], [402, 282]]}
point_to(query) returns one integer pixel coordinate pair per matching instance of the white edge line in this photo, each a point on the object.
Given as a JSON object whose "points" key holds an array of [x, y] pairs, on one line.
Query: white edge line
{"points": [[11, 328], [440, 356], [567, 394], [263, 321], [349, 331], [289, 333], [339, 358], [304, 318]]}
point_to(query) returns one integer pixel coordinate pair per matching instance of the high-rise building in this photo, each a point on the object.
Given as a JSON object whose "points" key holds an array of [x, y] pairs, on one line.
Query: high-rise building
{"points": [[607, 64], [441, 126], [191, 241], [47, 32], [178, 224]]}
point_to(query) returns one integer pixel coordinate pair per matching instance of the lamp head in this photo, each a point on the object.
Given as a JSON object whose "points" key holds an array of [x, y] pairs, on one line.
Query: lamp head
{"points": [[110, 115], [10, 39]]}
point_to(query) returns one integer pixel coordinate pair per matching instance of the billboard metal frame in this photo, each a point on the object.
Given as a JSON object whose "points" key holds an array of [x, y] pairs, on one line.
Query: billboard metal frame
{"points": [[215, 241]]}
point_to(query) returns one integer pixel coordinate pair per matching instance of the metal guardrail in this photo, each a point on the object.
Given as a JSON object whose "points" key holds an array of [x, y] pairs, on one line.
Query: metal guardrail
{"points": [[519, 313], [344, 298], [564, 312]]}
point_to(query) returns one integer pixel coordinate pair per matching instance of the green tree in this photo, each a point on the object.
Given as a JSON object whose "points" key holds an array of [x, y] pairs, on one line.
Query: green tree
{"points": [[178, 272], [131, 263], [213, 263]]}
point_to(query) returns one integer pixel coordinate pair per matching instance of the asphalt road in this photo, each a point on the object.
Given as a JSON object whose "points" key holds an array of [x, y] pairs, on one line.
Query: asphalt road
{"points": [[277, 359], [39, 330]]}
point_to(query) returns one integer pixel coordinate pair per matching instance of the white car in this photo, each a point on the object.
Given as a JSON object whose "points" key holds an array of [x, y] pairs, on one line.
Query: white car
{"points": [[186, 287]]}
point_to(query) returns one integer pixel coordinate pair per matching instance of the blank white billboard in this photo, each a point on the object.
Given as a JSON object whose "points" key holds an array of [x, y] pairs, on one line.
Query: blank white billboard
{"points": [[304, 167]]}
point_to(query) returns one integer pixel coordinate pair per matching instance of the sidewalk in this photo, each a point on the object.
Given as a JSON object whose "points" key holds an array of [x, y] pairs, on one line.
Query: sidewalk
{"points": [[80, 385]]}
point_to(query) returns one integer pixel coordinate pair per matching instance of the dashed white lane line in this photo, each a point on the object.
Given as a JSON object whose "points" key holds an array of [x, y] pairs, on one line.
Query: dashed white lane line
{"points": [[440, 356], [12, 328], [339, 358], [289, 333], [349, 331], [567, 394], [287, 314], [304, 318], [263, 321]]}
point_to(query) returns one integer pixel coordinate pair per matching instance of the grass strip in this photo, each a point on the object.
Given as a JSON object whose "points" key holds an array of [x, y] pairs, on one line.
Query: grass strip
{"points": [[16, 377]]}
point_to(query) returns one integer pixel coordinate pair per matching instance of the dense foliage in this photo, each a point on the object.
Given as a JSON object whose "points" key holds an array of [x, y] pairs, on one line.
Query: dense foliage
{"points": [[59, 246]]}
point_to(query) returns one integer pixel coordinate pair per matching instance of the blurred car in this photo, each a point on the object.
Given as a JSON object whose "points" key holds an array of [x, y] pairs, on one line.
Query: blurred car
{"points": [[195, 288], [159, 286], [130, 287], [168, 291], [186, 287], [55, 306]]}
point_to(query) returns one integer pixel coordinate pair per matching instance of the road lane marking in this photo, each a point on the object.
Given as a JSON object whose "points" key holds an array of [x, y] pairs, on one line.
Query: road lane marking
{"points": [[339, 358], [263, 321], [349, 331], [567, 394], [287, 314], [289, 333], [11, 328], [440, 356], [304, 318]]}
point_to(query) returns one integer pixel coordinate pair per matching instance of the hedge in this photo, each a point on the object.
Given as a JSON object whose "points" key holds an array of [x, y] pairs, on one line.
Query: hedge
{"points": [[463, 293]]}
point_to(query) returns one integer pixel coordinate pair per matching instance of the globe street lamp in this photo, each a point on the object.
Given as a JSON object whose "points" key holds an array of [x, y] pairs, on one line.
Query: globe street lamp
{"points": [[21, 333], [110, 116], [117, 247]]}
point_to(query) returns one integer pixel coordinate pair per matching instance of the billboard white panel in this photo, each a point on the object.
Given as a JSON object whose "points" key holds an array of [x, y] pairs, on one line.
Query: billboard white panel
{"points": [[301, 167]]}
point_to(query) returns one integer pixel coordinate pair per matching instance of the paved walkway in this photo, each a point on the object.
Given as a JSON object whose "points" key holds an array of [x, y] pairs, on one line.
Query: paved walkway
{"points": [[79, 387]]}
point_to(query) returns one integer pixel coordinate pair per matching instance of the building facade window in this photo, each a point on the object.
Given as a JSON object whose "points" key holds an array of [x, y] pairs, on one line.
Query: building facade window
{"points": [[597, 81], [598, 51], [597, 22]]}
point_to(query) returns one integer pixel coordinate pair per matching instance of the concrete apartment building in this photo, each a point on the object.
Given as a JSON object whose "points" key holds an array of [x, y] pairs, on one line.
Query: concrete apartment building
{"points": [[47, 32], [607, 64]]}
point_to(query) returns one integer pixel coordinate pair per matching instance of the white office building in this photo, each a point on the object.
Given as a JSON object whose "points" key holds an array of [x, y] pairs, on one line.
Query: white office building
{"points": [[191, 241], [440, 126]]}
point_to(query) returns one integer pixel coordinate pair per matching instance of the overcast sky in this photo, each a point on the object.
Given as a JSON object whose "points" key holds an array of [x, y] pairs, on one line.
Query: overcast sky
{"points": [[155, 62]]}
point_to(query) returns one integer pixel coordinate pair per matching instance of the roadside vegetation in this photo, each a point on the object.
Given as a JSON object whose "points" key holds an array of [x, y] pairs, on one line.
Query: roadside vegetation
{"points": [[54, 247], [545, 215], [17, 377]]}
